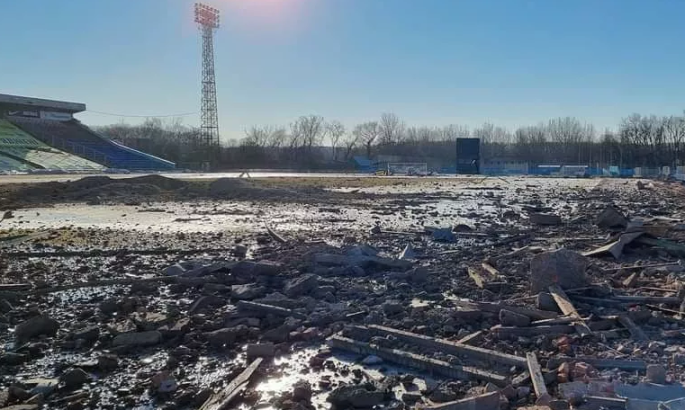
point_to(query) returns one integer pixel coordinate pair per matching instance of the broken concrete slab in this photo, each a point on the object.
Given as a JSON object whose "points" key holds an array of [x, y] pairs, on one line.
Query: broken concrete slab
{"points": [[490, 307], [563, 267], [509, 318], [355, 396], [301, 285], [656, 373], [36, 326], [552, 330], [134, 339], [629, 365], [328, 259], [247, 291], [651, 392], [615, 248], [486, 401], [474, 352], [611, 218], [266, 350], [545, 301], [544, 219], [418, 361], [443, 235]]}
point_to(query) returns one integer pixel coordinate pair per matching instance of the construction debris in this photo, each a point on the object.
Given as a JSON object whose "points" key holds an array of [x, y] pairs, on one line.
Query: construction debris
{"points": [[494, 313], [563, 267]]}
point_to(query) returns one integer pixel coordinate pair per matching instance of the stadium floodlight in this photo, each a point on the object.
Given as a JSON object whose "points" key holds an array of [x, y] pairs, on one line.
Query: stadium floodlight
{"points": [[207, 16], [208, 19]]}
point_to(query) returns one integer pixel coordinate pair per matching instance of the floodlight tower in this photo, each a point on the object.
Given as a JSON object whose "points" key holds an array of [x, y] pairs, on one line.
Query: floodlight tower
{"points": [[207, 19]]}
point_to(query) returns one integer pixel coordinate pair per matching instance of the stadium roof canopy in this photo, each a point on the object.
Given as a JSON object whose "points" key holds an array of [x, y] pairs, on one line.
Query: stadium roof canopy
{"points": [[16, 102]]}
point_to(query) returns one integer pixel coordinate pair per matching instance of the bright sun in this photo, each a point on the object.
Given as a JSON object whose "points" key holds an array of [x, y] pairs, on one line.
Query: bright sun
{"points": [[261, 12]]}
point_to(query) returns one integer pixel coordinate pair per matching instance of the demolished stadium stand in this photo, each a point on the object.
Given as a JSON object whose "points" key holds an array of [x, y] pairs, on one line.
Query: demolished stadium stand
{"points": [[39, 134]]}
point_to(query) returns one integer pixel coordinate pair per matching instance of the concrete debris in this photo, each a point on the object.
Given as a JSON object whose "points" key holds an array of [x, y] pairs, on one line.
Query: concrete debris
{"points": [[444, 235], [266, 350], [74, 378], [247, 291], [503, 311], [300, 285], [36, 326], [611, 218], [371, 360], [164, 382], [138, 339], [361, 397], [407, 253], [174, 270], [656, 373], [563, 267], [480, 402], [544, 219], [508, 318], [615, 248]]}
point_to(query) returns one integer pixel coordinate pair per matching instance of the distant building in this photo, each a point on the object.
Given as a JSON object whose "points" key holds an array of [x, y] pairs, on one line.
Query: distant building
{"points": [[505, 166], [468, 156]]}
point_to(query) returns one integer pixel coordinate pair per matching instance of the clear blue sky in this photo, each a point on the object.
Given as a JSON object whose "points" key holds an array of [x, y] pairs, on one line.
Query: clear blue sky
{"points": [[510, 62]]}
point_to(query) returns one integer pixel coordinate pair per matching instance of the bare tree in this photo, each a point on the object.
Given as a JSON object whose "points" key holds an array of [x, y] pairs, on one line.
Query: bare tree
{"points": [[277, 137], [257, 136], [350, 142], [675, 137], [391, 129], [335, 130], [453, 131], [307, 132], [367, 133]]}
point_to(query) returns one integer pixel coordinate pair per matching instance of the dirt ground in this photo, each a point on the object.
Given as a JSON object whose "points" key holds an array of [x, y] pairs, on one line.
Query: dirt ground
{"points": [[156, 292]]}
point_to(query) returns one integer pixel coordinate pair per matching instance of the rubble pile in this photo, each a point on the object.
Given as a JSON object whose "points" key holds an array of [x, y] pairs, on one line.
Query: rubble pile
{"points": [[574, 300]]}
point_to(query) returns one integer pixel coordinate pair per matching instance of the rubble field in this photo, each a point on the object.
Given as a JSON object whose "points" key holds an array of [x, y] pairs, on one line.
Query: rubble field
{"points": [[347, 293]]}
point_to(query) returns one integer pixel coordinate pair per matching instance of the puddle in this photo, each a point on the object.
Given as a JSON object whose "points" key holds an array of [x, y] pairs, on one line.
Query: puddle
{"points": [[295, 367]]}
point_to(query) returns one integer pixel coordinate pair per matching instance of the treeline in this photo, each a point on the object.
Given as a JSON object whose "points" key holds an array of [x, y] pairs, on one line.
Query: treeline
{"points": [[311, 142]]}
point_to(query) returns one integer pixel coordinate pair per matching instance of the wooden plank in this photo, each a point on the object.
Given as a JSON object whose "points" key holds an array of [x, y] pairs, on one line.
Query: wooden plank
{"points": [[537, 379], [278, 238], [473, 274], [568, 309], [635, 331], [596, 301], [264, 309], [629, 365], [630, 281], [494, 273], [599, 402], [473, 338], [554, 330], [418, 361], [656, 265], [484, 401], [521, 378], [223, 399], [535, 314], [487, 355], [668, 300], [563, 320], [15, 287]]}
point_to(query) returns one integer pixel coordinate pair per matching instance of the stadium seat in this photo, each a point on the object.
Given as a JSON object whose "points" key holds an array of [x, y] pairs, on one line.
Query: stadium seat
{"points": [[74, 137], [22, 152]]}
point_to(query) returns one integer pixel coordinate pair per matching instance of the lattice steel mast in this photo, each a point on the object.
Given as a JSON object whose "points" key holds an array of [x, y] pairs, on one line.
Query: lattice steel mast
{"points": [[208, 20]]}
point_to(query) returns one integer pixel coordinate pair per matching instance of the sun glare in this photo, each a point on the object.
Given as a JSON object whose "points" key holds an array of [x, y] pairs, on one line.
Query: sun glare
{"points": [[265, 13]]}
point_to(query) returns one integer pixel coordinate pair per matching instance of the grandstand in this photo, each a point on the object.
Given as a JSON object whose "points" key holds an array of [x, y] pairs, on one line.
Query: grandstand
{"points": [[43, 134]]}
